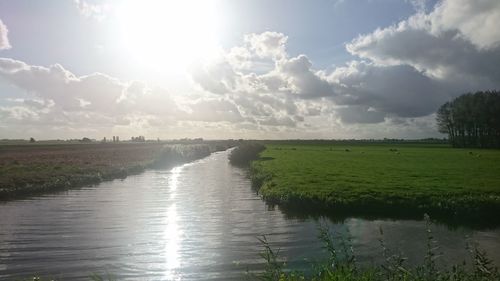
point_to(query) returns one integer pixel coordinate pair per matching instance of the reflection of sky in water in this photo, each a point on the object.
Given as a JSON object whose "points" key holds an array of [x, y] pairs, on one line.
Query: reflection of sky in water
{"points": [[199, 221], [409, 237]]}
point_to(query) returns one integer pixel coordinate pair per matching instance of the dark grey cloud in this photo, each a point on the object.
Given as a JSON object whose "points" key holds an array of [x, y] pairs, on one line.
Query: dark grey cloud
{"points": [[302, 80], [427, 59], [447, 56], [360, 114], [402, 71], [398, 90]]}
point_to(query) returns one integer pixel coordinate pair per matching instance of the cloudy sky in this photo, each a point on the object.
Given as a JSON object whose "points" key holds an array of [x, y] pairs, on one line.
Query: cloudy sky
{"points": [[240, 69]]}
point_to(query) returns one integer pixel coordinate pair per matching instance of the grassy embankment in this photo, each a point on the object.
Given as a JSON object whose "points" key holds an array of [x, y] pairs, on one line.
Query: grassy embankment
{"points": [[33, 169], [381, 179]]}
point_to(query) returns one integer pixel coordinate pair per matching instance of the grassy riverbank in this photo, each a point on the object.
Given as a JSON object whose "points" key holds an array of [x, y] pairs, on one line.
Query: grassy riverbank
{"points": [[381, 179], [33, 169]]}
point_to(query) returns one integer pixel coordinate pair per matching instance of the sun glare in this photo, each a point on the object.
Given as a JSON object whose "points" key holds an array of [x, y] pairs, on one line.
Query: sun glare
{"points": [[168, 34]]}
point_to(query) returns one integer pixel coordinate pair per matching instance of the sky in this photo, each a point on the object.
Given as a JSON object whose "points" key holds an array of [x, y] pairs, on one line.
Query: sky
{"points": [[222, 69]]}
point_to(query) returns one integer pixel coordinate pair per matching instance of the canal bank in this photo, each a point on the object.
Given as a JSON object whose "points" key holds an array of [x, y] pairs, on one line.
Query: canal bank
{"points": [[198, 221]]}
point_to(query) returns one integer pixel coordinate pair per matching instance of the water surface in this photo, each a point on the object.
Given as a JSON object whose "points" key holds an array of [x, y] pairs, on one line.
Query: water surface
{"points": [[199, 221]]}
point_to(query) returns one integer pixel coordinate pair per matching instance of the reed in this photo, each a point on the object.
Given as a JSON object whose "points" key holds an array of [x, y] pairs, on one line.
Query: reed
{"points": [[341, 263]]}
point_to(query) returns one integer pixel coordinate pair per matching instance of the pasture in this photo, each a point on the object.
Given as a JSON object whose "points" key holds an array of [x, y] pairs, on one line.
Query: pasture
{"points": [[397, 179]]}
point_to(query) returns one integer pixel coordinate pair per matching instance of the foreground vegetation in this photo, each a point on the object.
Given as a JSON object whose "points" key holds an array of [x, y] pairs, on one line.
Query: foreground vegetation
{"points": [[391, 180], [33, 169], [341, 264]]}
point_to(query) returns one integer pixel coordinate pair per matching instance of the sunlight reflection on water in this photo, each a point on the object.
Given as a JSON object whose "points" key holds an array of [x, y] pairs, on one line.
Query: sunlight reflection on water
{"points": [[174, 179], [172, 233], [172, 238], [199, 221]]}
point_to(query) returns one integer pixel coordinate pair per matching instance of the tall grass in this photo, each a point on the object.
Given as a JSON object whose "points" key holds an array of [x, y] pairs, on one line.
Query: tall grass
{"points": [[245, 153], [341, 264]]}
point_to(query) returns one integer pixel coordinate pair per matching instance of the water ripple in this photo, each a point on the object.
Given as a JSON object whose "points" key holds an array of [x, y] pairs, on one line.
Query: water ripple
{"points": [[198, 221]]}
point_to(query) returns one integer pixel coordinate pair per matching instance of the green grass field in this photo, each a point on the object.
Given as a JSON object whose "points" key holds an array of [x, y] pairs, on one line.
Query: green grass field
{"points": [[381, 178]]}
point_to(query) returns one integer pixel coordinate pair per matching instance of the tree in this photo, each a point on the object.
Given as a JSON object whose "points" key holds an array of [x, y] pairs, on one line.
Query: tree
{"points": [[471, 120], [32, 140]]}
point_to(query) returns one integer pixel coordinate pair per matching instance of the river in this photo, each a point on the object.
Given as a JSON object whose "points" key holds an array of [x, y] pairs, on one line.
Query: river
{"points": [[198, 221]]}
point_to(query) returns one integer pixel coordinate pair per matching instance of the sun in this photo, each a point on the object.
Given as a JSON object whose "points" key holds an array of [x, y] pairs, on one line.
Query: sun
{"points": [[168, 34]]}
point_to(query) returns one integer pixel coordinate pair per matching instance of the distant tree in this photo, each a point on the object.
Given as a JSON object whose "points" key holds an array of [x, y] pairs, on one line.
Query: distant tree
{"points": [[471, 120], [32, 140], [139, 139], [86, 140]]}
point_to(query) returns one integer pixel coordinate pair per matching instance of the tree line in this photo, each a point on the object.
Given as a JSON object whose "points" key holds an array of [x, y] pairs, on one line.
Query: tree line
{"points": [[472, 120]]}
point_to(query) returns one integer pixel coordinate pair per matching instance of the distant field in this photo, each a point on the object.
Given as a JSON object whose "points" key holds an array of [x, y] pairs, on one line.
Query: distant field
{"points": [[381, 178], [35, 168]]}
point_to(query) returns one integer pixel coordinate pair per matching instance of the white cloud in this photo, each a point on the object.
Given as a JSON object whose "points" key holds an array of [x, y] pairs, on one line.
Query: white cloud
{"points": [[63, 87], [476, 21], [400, 74], [279, 94], [404, 71], [453, 49], [4, 40], [456, 42], [217, 77], [58, 97], [213, 110], [55, 97], [18, 113], [302, 80], [91, 10], [267, 44], [292, 90]]}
